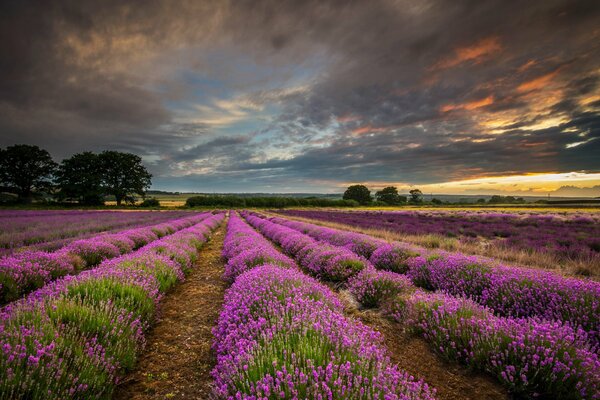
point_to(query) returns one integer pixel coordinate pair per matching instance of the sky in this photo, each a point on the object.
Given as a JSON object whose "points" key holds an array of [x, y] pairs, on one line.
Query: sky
{"points": [[457, 97]]}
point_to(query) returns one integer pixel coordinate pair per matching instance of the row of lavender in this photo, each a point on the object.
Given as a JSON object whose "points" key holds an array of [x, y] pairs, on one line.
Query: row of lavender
{"points": [[567, 237], [24, 272], [49, 230], [507, 290], [75, 337], [282, 334], [530, 356]]}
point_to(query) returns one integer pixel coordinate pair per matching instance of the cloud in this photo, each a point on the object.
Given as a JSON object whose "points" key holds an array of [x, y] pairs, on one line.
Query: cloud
{"points": [[482, 49], [315, 93]]}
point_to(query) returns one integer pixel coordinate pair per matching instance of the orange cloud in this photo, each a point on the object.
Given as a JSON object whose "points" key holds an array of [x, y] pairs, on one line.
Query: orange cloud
{"points": [[475, 52], [366, 129], [537, 83], [527, 65], [472, 105], [533, 144]]}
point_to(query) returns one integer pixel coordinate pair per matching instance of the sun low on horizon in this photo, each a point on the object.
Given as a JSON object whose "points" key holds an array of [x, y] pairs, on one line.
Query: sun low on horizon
{"points": [[311, 96]]}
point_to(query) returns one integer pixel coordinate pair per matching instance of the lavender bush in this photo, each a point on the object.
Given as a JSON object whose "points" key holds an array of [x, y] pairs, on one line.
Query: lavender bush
{"points": [[513, 292], [245, 249], [531, 357], [281, 334], [507, 290], [374, 288], [23, 272], [328, 262], [74, 337], [567, 237], [49, 230]]}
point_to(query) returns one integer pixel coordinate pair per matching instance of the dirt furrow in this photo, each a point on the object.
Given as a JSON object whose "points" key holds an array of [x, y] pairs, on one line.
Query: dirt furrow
{"points": [[177, 360], [414, 355]]}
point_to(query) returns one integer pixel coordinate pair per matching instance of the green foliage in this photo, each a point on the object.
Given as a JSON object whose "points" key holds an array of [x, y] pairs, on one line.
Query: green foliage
{"points": [[80, 178], [416, 196], [108, 324], [121, 294], [358, 193], [123, 175], [151, 202], [24, 169], [505, 200], [267, 202], [389, 195]]}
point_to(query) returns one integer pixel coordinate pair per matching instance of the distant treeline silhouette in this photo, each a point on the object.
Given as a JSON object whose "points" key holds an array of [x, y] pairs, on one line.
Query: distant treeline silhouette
{"points": [[30, 172], [274, 202]]}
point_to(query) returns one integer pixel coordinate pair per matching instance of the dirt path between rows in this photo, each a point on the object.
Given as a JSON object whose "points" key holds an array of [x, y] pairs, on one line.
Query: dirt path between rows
{"points": [[177, 361], [414, 355]]}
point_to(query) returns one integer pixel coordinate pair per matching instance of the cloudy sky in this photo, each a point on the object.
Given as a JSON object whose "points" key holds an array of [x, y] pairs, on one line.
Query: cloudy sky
{"points": [[310, 96]]}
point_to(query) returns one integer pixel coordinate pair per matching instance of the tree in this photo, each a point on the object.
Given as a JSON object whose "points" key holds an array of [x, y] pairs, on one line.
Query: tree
{"points": [[359, 193], [80, 177], [388, 195], [123, 175], [416, 196], [25, 169]]}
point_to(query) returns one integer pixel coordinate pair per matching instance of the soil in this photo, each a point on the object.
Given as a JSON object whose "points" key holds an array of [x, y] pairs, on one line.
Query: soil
{"points": [[177, 360], [414, 355]]}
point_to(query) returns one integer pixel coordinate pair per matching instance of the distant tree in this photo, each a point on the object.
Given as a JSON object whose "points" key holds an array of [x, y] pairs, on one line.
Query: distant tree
{"points": [[416, 196], [151, 202], [388, 195], [80, 177], [25, 169], [123, 175], [359, 193], [436, 201], [402, 199], [495, 199], [480, 201]]}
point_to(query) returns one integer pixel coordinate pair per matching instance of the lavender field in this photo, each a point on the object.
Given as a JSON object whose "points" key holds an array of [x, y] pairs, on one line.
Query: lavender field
{"points": [[49, 230], [564, 240], [299, 311]]}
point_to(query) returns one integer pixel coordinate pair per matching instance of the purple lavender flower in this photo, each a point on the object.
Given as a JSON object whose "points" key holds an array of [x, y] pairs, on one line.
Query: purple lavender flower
{"points": [[75, 336], [283, 334], [374, 288]]}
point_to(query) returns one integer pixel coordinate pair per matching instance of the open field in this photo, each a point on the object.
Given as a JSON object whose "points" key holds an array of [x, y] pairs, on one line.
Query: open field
{"points": [[565, 241], [300, 200], [246, 304]]}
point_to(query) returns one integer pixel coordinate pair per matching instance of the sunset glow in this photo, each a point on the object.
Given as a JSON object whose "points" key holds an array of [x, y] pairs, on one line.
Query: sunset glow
{"points": [[308, 96]]}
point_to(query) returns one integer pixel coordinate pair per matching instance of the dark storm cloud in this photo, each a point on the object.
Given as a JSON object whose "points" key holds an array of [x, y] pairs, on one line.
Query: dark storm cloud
{"points": [[413, 91], [222, 146]]}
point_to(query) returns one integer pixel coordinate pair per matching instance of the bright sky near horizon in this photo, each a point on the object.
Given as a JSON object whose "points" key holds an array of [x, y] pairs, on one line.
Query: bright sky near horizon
{"points": [[453, 97]]}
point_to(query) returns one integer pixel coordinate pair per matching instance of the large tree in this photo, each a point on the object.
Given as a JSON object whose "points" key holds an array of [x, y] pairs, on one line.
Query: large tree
{"points": [[359, 193], [124, 175], [416, 196], [80, 178], [26, 169], [389, 195]]}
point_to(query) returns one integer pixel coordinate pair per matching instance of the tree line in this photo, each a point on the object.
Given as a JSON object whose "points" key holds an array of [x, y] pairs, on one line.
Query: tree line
{"points": [[29, 171], [386, 196], [274, 202]]}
